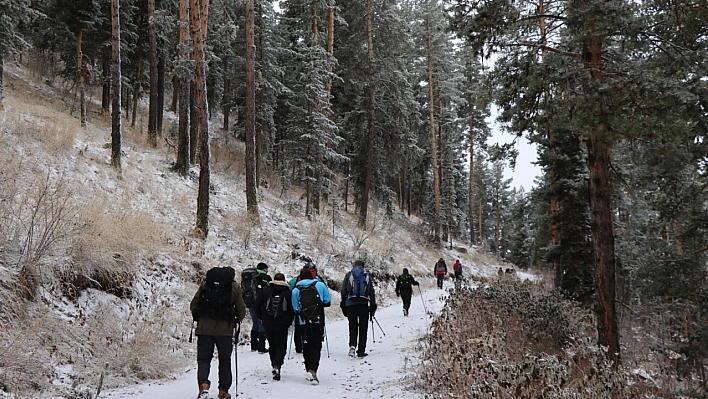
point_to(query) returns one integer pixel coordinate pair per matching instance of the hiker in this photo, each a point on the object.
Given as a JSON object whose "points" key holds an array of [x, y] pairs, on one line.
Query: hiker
{"points": [[217, 307], [500, 273], [358, 306], [404, 289], [457, 269], [274, 307], [252, 283], [440, 271], [310, 297], [297, 329]]}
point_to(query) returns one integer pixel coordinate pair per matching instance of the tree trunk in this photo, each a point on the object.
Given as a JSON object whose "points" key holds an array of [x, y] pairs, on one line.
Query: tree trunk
{"points": [[198, 16], [106, 88], [80, 73], [250, 121], [471, 185], [2, 82], [259, 103], [193, 126], [601, 218], [152, 108], [226, 101], [183, 87], [116, 86], [371, 125], [138, 65], [160, 92], [433, 144], [175, 93]]}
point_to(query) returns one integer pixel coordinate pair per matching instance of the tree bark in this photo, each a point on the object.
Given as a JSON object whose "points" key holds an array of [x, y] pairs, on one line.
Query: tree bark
{"points": [[116, 86], [473, 237], [226, 101], [250, 120], [152, 108], [371, 123], [106, 87], [601, 221], [160, 93], [182, 164], [80, 73], [198, 16], [193, 126], [2, 82], [138, 86], [433, 144]]}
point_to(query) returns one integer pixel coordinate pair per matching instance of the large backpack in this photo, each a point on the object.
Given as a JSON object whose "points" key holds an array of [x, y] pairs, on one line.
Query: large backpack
{"points": [[458, 269], [358, 284], [215, 296], [311, 306], [440, 267], [406, 282], [277, 303], [250, 285]]}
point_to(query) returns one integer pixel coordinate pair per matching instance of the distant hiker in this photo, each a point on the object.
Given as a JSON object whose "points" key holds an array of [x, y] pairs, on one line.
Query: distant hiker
{"points": [[216, 307], [275, 309], [359, 306], [500, 273], [457, 268], [440, 270], [252, 282], [297, 332], [310, 297], [404, 289]]}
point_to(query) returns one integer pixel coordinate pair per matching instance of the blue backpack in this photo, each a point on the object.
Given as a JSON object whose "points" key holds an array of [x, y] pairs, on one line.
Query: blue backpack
{"points": [[358, 284]]}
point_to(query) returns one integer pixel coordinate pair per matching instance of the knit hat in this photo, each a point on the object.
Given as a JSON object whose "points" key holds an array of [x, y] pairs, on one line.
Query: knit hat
{"points": [[305, 274], [279, 277], [405, 270], [261, 266]]}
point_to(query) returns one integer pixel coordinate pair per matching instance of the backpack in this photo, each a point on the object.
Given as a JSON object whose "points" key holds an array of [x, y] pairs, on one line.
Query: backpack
{"points": [[458, 269], [440, 267], [358, 284], [250, 285], [215, 296], [405, 282], [277, 304], [311, 306]]}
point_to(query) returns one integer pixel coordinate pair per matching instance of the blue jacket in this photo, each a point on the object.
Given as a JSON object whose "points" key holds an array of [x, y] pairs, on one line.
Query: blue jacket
{"points": [[321, 289], [345, 293]]}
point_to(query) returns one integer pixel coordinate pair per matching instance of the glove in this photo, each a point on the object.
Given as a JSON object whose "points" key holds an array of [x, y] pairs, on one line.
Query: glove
{"points": [[416, 283], [398, 293], [372, 311]]}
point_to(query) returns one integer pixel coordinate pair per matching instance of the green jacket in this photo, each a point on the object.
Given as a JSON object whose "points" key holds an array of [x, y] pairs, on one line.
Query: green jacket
{"points": [[209, 326]]}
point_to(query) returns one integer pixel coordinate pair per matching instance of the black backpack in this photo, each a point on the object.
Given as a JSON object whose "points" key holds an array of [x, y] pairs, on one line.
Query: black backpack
{"points": [[458, 269], [277, 303], [311, 306], [215, 297], [406, 282], [250, 285], [358, 285]]}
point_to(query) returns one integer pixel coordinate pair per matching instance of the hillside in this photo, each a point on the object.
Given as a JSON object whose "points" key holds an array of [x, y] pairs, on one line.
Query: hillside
{"points": [[97, 267]]}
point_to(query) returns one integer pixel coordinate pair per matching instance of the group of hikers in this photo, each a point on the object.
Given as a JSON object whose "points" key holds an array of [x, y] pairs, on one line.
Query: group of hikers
{"points": [[219, 306]]}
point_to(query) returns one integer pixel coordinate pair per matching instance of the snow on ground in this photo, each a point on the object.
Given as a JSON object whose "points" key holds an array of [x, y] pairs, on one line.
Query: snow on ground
{"points": [[385, 373]]}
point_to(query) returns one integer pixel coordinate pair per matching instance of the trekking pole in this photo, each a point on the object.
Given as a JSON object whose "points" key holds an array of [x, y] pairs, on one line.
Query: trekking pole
{"points": [[326, 338], [191, 329], [238, 334], [421, 298], [292, 333], [373, 332], [377, 322]]}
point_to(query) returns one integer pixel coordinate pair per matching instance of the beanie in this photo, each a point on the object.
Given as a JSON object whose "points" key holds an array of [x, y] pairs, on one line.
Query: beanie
{"points": [[261, 266], [305, 274], [405, 270], [279, 277]]}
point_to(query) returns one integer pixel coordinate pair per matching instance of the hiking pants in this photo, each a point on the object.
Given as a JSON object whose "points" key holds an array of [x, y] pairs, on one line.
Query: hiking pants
{"points": [[312, 345], [205, 352], [277, 334], [358, 316], [440, 277], [257, 325], [406, 296], [298, 337]]}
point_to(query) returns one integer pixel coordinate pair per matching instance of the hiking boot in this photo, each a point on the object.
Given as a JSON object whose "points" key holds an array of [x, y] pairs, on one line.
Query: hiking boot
{"points": [[405, 312], [223, 394], [203, 390], [360, 355], [311, 376], [352, 351], [276, 373]]}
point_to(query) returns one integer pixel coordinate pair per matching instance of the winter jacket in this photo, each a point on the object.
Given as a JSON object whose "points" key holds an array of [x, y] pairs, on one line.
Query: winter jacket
{"points": [[457, 267], [262, 299], [346, 292], [321, 289], [442, 269], [405, 283], [295, 280], [209, 326]]}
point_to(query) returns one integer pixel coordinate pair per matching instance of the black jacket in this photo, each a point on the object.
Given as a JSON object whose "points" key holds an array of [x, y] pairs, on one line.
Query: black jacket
{"points": [[262, 300], [405, 283]]}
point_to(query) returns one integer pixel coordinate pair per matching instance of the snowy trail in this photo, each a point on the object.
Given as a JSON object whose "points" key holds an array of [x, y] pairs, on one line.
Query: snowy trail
{"points": [[379, 375]]}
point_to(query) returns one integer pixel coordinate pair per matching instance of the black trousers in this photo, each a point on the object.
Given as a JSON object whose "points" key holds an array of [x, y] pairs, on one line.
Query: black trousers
{"points": [[406, 297], [298, 337], [440, 277], [358, 316], [205, 352], [277, 334], [312, 334]]}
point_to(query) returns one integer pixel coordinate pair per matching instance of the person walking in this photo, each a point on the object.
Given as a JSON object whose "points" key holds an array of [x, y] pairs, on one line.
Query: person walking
{"points": [[217, 307], [404, 289], [261, 279], [457, 269], [440, 271], [297, 329], [275, 310], [358, 306], [310, 297]]}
